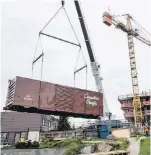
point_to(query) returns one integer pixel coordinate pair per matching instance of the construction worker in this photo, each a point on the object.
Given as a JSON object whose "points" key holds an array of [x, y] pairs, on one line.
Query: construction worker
{"points": [[84, 133], [146, 130], [22, 139]]}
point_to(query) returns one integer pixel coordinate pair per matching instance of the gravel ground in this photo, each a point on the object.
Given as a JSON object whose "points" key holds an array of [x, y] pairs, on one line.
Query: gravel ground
{"points": [[134, 146], [32, 152]]}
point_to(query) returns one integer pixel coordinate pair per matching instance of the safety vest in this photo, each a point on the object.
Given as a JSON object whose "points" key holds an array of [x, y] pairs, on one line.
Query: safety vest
{"points": [[146, 128], [22, 140]]}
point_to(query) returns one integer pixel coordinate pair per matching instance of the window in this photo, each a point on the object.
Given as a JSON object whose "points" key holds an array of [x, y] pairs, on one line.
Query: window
{"points": [[55, 126], [23, 134], [3, 137], [49, 125], [43, 121]]}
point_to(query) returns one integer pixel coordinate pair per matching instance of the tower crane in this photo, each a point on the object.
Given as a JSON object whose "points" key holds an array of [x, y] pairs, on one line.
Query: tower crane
{"points": [[94, 64], [131, 32]]}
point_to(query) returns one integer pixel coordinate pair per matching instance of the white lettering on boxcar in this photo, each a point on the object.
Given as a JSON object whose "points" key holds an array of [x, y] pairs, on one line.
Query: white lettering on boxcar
{"points": [[91, 100], [27, 97]]}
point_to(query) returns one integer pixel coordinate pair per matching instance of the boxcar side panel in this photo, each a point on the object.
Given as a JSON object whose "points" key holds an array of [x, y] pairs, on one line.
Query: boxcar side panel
{"points": [[57, 98]]}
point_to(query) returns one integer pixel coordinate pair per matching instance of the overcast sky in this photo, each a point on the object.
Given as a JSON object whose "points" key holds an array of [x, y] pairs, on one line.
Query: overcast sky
{"points": [[23, 19]]}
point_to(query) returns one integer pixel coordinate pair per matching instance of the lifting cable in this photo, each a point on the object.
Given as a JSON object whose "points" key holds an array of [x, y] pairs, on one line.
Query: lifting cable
{"points": [[40, 56], [143, 30], [62, 7], [60, 39], [51, 18], [77, 70], [34, 61], [41, 33]]}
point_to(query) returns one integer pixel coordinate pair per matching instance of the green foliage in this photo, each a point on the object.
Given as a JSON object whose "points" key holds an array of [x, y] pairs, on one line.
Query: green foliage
{"points": [[145, 146], [49, 143], [71, 140], [63, 123], [142, 140], [121, 139], [115, 146], [72, 149], [124, 144], [73, 146]]}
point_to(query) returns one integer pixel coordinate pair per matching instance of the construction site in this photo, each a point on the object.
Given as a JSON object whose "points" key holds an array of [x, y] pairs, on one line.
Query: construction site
{"points": [[76, 109]]}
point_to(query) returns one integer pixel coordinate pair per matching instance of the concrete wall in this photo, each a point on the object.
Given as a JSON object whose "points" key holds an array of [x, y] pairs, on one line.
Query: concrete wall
{"points": [[121, 133], [33, 135]]}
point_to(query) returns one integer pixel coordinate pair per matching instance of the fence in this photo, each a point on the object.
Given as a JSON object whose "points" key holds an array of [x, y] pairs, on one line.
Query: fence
{"points": [[68, 134], [12, 137]]}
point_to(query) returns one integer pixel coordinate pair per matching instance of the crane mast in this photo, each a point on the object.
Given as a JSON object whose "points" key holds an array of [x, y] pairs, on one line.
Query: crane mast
{"points": [[134, 77], [131, 33]]}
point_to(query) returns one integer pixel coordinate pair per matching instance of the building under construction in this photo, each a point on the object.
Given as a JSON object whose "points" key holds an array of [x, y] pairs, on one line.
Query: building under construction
{"points": [[126, 102]]}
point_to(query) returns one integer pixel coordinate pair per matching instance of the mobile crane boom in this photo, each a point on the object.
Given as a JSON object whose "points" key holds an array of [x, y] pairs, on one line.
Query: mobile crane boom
{"points": [[94, 64], [109, 20]]}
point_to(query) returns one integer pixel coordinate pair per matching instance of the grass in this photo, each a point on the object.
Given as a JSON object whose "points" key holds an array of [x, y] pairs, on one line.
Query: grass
{"points": [[72, 145], [73, 148], [49, 144], [145, 146]]}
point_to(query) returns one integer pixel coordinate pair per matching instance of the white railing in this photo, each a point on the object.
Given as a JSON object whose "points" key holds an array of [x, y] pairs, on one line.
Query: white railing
{"points": [[131, 95], [129, 114], [147, 112]]}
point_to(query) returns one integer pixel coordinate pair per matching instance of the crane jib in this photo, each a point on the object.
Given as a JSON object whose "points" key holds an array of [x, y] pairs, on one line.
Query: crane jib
{"points": [[84, 30]]}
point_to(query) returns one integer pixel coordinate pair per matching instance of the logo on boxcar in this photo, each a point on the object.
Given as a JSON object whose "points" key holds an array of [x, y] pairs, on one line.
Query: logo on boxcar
{"points": [[91, 100], [27, 97]]}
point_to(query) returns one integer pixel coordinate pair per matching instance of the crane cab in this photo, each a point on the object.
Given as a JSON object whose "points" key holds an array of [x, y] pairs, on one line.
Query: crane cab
{"points": [[107, 19]]}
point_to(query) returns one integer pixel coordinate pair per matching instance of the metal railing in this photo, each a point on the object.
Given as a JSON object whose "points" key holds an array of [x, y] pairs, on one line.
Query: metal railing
{"points": [[129, 114], [147, 112], [121, 97], [126, 105]]}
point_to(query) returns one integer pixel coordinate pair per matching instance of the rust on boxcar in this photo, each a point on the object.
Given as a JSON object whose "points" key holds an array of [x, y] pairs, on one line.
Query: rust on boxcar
{"points": [[52, 98]]}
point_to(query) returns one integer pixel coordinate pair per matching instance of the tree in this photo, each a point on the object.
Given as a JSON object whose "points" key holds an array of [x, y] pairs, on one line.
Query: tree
{"points": [[63, 123]]}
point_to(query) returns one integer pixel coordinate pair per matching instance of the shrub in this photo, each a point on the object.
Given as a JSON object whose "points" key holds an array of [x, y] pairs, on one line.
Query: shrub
{"points": [[69, 141], [35, 145], [72, 149], [142, 140]]}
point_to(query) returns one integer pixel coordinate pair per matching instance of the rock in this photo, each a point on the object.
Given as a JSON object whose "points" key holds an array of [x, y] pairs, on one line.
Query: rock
{"points": [[89, 149], [86, 149], [94, 148], [103, 147], [111, 137]]}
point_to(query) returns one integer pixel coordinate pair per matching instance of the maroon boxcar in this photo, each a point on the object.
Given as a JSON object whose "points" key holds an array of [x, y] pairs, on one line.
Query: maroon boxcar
{"points": [[31, 95]]}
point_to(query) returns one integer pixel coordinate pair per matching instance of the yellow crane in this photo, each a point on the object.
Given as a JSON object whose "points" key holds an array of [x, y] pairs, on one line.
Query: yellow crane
{"points": [[131, 32]]}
